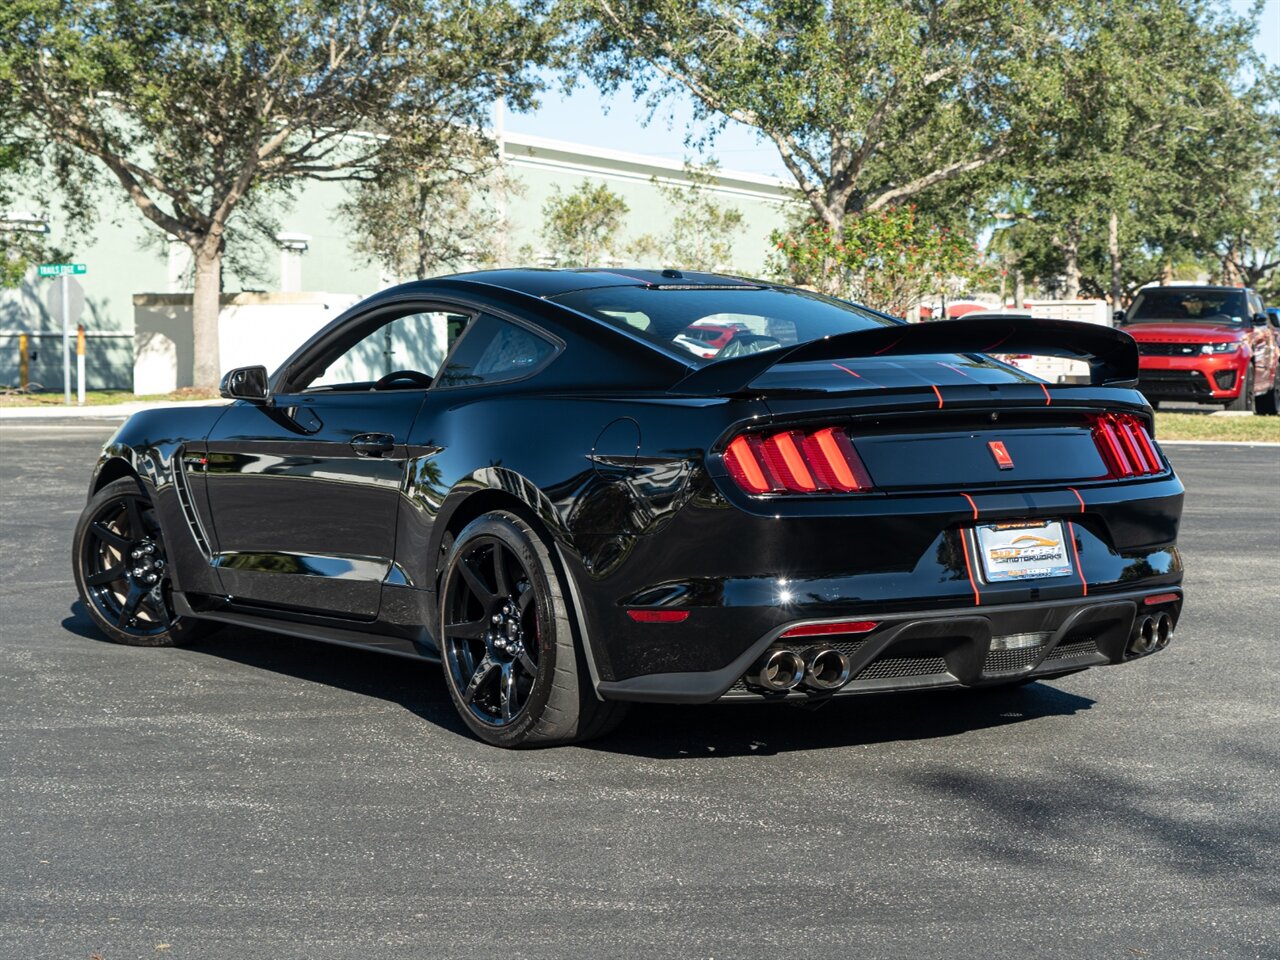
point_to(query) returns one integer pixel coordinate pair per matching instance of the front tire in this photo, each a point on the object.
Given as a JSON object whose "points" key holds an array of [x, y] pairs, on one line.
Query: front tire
{"points": [[512, 667], [1245, 400], [121, 569]]}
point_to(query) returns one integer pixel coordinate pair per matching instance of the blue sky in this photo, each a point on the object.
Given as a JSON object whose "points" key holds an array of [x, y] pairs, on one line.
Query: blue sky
{"points": [[618, 122]]}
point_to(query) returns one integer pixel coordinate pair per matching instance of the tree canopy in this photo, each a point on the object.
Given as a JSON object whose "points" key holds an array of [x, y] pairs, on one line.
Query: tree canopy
{"points": [[190, 108], [582, 228], [1133, 133], [869, 102]]}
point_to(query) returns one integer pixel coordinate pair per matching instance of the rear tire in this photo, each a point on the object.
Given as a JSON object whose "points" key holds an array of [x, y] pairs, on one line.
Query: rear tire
{"points": [[1245, 400], [511, 663], [121, 569]]}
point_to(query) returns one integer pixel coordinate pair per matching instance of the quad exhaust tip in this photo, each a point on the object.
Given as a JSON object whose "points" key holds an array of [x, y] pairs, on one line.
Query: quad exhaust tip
{"points": [[1150, 634], [778, 671], [820, 669], [826, 669]]}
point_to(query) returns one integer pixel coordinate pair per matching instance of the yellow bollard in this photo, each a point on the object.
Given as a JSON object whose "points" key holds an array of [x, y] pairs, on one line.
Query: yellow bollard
{"points": [[24, 361], [80, 363]]}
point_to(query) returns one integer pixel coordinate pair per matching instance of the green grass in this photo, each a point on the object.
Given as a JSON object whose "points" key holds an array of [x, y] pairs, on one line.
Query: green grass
{"points": [[95, 398], [1196, 426]]}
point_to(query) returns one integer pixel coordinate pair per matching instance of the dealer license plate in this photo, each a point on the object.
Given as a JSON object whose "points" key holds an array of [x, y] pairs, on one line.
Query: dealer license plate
{"points": [[1031, 550]]}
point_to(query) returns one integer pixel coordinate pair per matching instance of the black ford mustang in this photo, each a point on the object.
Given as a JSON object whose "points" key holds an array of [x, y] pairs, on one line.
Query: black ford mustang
{"points": [[542, 479]]}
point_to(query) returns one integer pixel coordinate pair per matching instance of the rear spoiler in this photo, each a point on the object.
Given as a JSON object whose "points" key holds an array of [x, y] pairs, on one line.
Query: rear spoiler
{"points": [[1112, 355]]}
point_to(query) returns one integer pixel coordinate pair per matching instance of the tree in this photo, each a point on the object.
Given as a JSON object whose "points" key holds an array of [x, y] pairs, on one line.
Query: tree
{"points": [[888, 259], [1161, 137], [20, 244], [193, 107], [870, 103], [429, 216], [700, 230], [581, 228]]}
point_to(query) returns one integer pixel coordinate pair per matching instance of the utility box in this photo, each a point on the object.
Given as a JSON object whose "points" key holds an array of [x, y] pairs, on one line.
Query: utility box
{"points": [[1059, 369]]}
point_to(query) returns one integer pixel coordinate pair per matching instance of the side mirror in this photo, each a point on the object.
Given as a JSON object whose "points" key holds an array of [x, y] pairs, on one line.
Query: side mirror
{"points": [[245, 383], [1118, 316], [1259, 319]]}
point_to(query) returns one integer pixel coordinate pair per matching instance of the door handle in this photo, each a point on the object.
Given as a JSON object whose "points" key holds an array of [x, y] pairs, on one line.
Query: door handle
{"points": [[373, 444]]}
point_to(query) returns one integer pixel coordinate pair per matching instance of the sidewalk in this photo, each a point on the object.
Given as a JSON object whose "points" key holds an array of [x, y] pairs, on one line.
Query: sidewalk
{"points": [[104, 411]]}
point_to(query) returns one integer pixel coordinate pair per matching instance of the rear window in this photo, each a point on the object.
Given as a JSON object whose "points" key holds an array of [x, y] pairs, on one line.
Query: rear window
{"points": [[760, 319], [1192, 306], [494, 351]]}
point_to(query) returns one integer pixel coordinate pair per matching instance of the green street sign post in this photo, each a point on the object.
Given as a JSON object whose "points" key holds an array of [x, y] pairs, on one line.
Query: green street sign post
{"points": [[61, 269], [65, 271]]}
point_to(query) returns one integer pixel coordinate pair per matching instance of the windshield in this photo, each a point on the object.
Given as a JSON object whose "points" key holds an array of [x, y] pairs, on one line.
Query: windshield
{"points": [[718, 323], [1190, 306]]}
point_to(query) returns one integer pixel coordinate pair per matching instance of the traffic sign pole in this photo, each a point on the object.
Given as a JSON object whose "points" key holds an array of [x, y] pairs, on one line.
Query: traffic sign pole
{"points": [[63, 272], [66, 340]]}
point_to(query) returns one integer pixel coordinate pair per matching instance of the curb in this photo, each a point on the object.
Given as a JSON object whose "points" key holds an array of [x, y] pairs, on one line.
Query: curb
{"points": [[1218, 443]]}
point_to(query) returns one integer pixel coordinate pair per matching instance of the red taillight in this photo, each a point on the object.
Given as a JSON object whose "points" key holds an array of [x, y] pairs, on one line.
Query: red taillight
{"points": [[828, 629], [1156, 598], [1125, 445], [796, 461]]}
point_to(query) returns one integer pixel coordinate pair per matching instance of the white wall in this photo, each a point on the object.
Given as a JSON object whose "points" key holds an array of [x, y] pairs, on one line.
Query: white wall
{"points": [[253, 328]]}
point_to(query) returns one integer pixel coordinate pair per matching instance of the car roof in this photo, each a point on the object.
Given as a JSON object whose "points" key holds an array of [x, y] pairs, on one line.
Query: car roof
{"points": [[552, 282]]}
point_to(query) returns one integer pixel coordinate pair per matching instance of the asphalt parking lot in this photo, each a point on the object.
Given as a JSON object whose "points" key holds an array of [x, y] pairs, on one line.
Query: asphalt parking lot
{"points": [[263, 797]]}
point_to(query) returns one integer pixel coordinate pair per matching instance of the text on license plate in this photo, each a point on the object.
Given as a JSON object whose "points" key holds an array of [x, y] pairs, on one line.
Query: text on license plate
{"points": [[1031, 550]]}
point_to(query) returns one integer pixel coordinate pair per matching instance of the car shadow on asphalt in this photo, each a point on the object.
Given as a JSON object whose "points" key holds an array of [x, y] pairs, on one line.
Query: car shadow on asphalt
{"points": [[415, 685], [656, 731], [738, 730]]}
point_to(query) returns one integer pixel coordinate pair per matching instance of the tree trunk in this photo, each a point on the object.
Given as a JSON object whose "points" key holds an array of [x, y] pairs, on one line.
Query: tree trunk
{"points": [[424, 234], [1019, 289], [1113, 250], [1071, 265], [204, 314]]}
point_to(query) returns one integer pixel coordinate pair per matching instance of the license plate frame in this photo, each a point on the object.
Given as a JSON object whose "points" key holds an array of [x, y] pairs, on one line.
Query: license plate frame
{"points": [[1023, 550]]}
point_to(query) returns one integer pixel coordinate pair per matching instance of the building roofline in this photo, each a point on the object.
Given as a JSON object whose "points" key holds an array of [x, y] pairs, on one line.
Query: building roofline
{"points": [[522, 149]]}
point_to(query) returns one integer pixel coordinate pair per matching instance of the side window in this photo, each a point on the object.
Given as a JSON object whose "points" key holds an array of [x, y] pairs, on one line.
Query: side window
{"points": [[414, 344], [493, 351]]}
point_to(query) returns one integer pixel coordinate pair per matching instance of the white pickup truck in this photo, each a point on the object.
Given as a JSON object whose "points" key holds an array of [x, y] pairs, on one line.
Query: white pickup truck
{"points": [[1055, 369]]}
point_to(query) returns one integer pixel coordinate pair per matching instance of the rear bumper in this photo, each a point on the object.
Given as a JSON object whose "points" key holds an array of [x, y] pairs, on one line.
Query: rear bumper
{"points": [[936, 649], [1205, 378]]}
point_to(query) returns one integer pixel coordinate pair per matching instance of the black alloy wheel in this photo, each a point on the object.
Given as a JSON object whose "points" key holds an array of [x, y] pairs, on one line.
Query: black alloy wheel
{"points": [[512, 665], [491, 631], [122, 571]]}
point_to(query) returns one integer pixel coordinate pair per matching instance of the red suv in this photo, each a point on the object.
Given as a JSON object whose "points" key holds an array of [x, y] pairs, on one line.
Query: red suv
{"points": [[1205, 344]]}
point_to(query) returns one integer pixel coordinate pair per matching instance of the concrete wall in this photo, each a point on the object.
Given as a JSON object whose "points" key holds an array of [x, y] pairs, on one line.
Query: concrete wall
{"points": [[253, 328]]}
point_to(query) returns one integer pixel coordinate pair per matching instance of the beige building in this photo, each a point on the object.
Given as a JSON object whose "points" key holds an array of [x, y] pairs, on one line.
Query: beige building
{"points": [[312, 252]]}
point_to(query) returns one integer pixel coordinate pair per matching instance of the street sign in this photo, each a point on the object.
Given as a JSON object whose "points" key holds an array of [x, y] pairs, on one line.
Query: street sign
{"points": [[61, 269], [66, 299], [68, 294]]}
